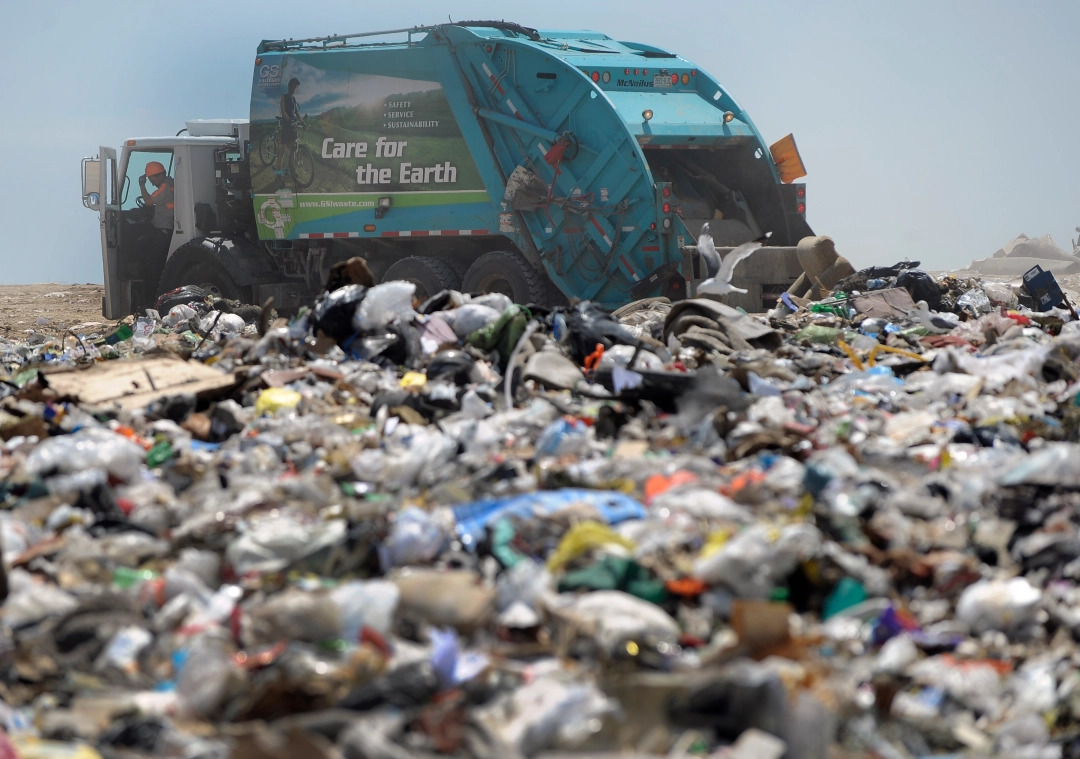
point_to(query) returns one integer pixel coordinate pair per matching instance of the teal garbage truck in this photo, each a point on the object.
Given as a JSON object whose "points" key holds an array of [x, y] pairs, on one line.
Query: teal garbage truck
{"points": [[481, 156]]}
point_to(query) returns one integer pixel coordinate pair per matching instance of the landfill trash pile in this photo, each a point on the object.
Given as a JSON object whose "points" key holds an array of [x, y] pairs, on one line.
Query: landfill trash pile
{"points": [[469, 527]]}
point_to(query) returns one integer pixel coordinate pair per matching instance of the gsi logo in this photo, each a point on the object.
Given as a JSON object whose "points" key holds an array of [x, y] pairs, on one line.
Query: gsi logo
{"points": [[270, 75]]}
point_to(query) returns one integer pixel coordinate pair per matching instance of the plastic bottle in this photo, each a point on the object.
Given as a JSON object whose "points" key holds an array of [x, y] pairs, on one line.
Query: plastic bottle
{"points": [[209, 677], [562, 437], [118, 335]]}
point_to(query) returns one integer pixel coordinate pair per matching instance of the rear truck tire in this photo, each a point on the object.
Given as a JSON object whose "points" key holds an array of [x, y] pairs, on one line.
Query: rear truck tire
{"points": [[302, 163], [199, 270], [430, 275], [460, 265], [268, 148], [502, 271]]}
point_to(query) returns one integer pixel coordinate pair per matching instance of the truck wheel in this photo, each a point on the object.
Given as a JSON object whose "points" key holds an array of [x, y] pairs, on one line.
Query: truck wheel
{"points": [[209, 275], [502, 271], [430, 275]]}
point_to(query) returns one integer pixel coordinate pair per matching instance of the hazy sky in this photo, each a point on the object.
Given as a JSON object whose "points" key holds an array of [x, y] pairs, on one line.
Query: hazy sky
{"points": [[935, 130]]}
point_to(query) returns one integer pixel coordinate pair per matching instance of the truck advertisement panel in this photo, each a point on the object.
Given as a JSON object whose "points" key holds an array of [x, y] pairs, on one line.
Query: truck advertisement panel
{"points": [[327, 143]]}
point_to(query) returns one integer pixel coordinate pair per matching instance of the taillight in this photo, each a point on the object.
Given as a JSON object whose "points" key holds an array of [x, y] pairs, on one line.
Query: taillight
{"points": [[686, 79], [667, 192], [596, 76], [674, 78], [801, 207], [667, 207]]}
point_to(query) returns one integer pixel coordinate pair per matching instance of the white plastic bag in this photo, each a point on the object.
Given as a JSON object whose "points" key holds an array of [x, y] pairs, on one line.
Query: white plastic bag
{"points": [[385, 304]]}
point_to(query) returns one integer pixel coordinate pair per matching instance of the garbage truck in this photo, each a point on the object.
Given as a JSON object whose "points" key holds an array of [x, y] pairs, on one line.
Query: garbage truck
{"points": [[482, 156]]}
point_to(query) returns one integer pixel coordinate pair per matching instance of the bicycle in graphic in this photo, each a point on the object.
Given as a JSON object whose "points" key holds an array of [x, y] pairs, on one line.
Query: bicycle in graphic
{"points": [[301, 159]]}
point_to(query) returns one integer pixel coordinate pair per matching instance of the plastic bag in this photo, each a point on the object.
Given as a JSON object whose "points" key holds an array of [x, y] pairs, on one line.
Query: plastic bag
{"points": [[89, 448], [179, 314], [469, 318], [975, 301], [219, 324], [415, 538], [209, 678], [180, 296], [385, 304], [334, 312], [755, 560], [550, 713], [275, 400], [582, 538], [370, 603], [1000, 294], [921, 286], [1006, 605], [275, 542]]}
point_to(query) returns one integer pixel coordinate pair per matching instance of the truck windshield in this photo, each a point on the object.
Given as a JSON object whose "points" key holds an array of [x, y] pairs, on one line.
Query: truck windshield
{"points": [[136, 167]]}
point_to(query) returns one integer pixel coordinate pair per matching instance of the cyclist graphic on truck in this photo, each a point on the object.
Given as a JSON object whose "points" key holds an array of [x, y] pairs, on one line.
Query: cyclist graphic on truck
{"points": [[291, 120], [283, 147]]}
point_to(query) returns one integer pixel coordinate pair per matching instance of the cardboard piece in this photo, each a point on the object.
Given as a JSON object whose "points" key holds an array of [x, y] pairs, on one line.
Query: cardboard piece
{"points": [[891, 303], [762, 626], [137, 383]]}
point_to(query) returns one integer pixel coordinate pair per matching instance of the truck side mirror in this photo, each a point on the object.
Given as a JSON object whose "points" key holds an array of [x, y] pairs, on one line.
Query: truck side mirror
{"points": [[91, 182]]}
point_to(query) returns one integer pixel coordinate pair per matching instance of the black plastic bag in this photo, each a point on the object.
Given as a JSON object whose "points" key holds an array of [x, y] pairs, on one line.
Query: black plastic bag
{"points": [[333, 312], [921, 286]]}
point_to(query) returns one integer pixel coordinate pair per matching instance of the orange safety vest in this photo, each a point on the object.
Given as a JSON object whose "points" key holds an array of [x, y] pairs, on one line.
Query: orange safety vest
{"points": [[162, 201], [165, 192]]}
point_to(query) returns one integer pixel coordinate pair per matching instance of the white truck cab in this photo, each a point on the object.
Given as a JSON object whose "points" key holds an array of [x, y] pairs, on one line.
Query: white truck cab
{"points": [[196, 160]]}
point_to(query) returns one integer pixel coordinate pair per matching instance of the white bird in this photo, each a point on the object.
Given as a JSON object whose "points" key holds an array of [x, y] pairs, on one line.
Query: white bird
{"points": [[720, 284], [707, 248], [934, 322]]}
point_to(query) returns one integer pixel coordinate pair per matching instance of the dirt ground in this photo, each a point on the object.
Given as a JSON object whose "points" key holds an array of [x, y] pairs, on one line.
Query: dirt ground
{"points": [[50, 310]]}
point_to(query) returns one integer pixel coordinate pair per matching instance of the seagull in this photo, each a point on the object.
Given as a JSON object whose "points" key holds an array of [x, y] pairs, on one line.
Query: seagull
{"points": [[936, 323], [720, 283], [707, 249]]}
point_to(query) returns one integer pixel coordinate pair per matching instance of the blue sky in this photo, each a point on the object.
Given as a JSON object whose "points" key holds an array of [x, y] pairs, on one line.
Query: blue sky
{"points": [[931, 130]]}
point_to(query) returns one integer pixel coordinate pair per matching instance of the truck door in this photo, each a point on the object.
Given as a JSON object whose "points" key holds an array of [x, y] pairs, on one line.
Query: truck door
{"points": [[143, 231], [109, 212]]}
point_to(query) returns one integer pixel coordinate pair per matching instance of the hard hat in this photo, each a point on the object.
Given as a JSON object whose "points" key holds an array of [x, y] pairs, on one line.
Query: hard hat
{"points": [[154, 167]]}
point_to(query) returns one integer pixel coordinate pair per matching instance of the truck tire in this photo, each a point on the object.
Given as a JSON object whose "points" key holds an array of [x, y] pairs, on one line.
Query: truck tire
{"points": [[502, 271], [199, 270], [430, 275]]}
